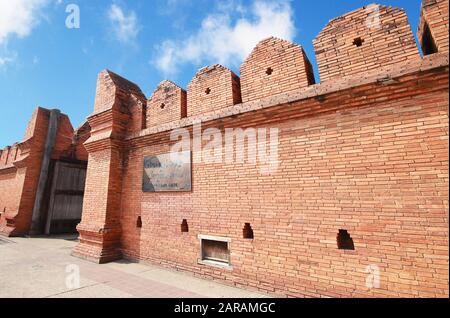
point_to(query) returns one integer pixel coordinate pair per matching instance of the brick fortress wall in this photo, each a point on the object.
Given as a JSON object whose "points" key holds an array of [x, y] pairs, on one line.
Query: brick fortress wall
{"points": [[20, 167], [365, 150]]}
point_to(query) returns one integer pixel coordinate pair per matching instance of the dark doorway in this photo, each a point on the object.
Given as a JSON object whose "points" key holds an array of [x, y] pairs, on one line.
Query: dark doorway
{"points": [[65, 197]]}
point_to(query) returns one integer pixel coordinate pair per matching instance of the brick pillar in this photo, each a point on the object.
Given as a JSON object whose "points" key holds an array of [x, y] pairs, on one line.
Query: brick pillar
{"points": [[36, 223], [100, 228]]}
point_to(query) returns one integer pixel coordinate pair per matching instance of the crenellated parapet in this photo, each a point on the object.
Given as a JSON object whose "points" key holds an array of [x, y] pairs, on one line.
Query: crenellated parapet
{"points": [[8, 155], [364, 39], [168, 103], [275, 66], [212, 88], [433, 26]]}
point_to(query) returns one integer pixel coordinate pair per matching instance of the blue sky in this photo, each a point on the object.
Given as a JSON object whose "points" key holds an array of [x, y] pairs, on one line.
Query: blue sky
{"points": [[44, 63]]}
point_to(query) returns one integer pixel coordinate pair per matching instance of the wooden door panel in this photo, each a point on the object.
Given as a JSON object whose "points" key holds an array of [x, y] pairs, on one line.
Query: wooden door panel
{"points": [[66, 200]]}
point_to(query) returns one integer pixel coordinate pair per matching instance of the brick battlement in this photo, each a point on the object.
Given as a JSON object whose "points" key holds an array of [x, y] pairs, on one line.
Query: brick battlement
{"points": [[275, 66], [168, 103], [364, 41], [378, 78], [212, 88]]}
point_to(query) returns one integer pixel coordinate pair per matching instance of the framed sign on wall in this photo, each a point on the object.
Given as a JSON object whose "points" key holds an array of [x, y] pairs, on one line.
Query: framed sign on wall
{"points": [[167, 172]]}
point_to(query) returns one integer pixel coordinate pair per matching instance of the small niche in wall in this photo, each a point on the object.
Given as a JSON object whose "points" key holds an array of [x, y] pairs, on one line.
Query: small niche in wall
{"points": [[9, 221], [358, 42], [248, 231], [184, 226], [344, 241], [139, 222], [162, 106], [208, 91], [269, 71]]}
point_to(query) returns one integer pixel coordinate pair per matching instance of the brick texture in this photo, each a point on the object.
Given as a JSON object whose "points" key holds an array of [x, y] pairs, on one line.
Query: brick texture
{"points": [[365, 152], [434, 16], [275, 66], [168, 103], [366, 155], [100, 229], [378, 169], [384, 36], [115, 91], [20, 167], [212, 88]]}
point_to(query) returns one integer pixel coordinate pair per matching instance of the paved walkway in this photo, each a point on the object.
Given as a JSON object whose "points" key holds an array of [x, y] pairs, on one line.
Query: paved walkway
{"points": [[43, 267]]}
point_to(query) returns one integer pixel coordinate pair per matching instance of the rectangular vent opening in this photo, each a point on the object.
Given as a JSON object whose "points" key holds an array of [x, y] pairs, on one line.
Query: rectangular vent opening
{"points": [[215, 251]]}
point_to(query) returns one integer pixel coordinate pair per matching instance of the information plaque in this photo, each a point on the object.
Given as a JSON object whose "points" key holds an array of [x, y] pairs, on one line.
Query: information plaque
{"points": [[167, 172]]}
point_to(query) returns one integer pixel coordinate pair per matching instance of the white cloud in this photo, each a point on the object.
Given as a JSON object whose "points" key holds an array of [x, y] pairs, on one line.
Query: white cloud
{"points": [[125, 26], [19, 17], [6, 60], [224, 39]]}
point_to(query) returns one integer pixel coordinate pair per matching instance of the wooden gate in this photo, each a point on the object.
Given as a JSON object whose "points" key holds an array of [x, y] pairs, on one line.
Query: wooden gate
{"points": [[66, 198]]}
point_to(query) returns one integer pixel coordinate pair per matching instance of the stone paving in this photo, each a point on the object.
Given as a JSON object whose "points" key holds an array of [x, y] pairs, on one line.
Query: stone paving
{"points": [[43, 267]]}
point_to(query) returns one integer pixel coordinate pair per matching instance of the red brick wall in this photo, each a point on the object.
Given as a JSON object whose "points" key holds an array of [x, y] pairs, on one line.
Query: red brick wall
{"points": [[367, 153], [5, 155], [114, 91], [211, 89], [167, 104], [379, 171], [275, 66], [82, 134], [435, 14], [389, 42], [11, 185], [104, 98], [19, 177], [21, 189], [64, 137]]}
